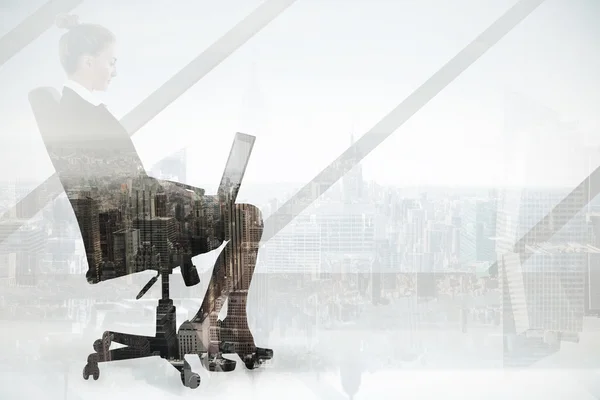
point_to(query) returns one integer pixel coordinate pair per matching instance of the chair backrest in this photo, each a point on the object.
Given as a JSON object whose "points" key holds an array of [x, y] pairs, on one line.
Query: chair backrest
{"points": [[45, 102]]}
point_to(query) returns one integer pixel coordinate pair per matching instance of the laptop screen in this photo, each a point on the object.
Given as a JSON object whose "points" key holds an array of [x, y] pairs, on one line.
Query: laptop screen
{"points": [[236, 165]]}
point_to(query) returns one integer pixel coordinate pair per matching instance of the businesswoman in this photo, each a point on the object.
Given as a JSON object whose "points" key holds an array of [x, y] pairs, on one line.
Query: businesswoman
{"points": [[87, 54]]}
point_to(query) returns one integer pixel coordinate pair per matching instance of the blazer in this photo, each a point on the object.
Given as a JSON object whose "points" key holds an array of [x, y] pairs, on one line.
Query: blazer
{"points": [[91, 150], [88, 142]]}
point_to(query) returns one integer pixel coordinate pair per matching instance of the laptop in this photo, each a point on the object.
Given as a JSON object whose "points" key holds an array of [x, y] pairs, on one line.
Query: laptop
{"points": [[239, 155]]}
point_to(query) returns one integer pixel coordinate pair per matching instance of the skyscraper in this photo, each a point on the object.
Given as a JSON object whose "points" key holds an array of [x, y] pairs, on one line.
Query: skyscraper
{"points": [[161, 204], [547, 292], [110, 222], [296, 248], [159, 231], [86, 210], [126, 244]]}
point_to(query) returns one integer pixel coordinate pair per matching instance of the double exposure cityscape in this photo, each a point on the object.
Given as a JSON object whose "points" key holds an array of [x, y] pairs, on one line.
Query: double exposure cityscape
{"points": [[325, 263]]}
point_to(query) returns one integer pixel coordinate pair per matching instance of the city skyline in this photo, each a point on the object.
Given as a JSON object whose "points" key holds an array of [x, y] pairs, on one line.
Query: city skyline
{"points": [[336, 313]]}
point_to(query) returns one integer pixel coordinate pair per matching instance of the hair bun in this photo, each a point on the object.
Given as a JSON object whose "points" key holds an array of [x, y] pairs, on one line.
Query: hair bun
{"points": [[66, 21]]}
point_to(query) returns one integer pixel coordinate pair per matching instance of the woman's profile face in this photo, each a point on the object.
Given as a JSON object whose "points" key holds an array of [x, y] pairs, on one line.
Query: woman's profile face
{"points": [[102, 68]]}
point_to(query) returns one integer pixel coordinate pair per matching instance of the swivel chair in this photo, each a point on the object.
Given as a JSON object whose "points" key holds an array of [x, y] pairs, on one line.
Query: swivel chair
{"points": [[45, 106]]}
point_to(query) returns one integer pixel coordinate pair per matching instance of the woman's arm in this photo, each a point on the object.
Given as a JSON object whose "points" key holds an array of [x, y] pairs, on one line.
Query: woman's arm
{"points": [[180, 188]]}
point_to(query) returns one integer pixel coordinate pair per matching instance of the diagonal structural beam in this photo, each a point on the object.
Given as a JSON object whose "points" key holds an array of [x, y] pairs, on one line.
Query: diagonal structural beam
{"points": [[162, 97], [32, 27], [560, 215], [404, 111]]}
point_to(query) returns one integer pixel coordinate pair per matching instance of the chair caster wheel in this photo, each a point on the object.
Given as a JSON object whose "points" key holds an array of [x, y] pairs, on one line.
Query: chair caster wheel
{"points": [[98, 346], [193, 381], [228, 367], [92, 370], [93, 359], [251, 361]]}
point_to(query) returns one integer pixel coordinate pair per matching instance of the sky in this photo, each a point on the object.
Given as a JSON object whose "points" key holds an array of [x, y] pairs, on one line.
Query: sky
{"points": [[324, 70]]}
